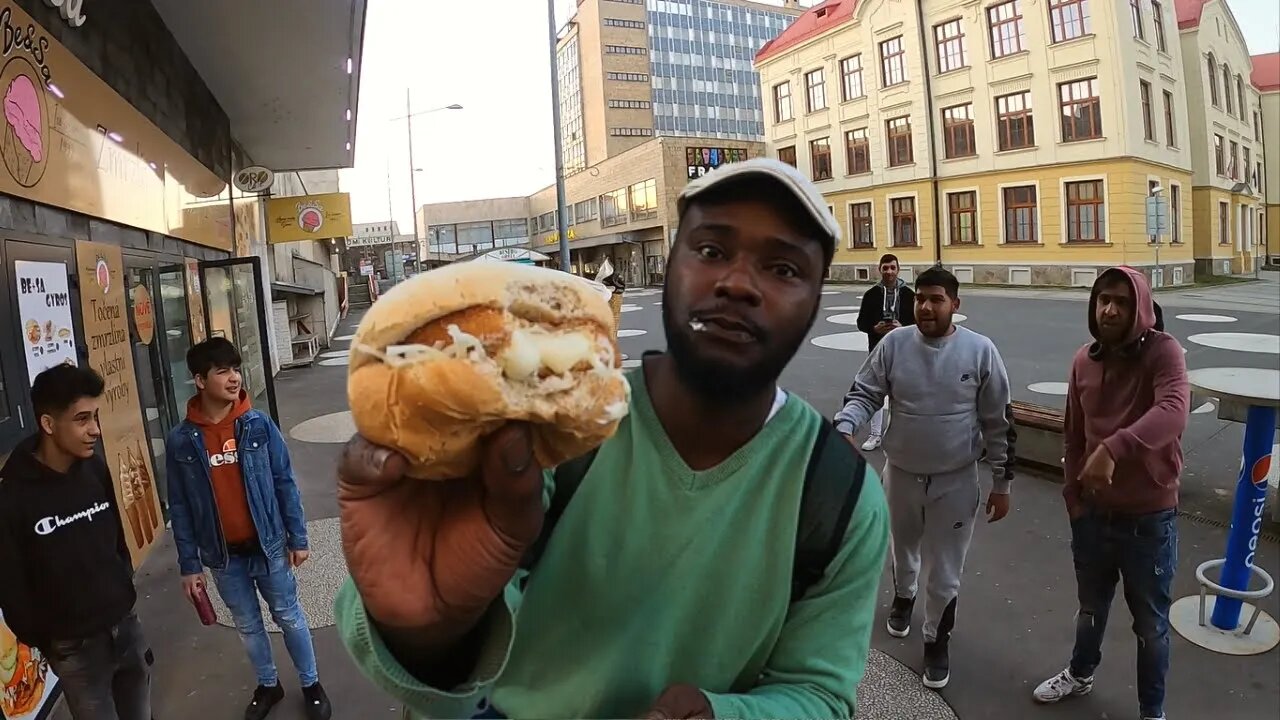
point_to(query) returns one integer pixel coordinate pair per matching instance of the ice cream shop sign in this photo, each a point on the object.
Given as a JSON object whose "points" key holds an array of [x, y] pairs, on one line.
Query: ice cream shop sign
{"points": [[71, 10]]}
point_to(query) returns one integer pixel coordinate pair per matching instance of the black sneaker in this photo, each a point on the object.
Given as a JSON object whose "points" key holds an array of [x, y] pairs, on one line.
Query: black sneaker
{"points": [[937, 665], [318, 707], [899, 624], [264, 698]]}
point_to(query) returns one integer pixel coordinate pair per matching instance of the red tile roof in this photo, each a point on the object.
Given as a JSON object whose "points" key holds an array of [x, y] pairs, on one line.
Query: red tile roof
{"points": [[815, 21], [1188, 12], [1266, 72]]}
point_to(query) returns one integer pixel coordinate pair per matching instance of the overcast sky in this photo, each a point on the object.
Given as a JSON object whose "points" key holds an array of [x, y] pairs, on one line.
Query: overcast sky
{"points": [[491, 57]]}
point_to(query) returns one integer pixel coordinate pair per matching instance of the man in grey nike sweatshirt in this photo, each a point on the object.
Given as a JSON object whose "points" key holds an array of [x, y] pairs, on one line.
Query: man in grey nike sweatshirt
{"points": [[948, 396]]}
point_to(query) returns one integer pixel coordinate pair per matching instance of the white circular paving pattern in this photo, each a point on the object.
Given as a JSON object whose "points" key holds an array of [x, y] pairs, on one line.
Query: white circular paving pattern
{"points": [[346, 337], [892, 691], [631, 333], [1240, 342], [844, 319], [335, 353], [848, 341], [631, 363], [958, 317], [843, 307], [1195, 317], [630, 308], [334, 361], [830, 292], [1048, 388], [1205, 408], [319, 579], [334, 428]]}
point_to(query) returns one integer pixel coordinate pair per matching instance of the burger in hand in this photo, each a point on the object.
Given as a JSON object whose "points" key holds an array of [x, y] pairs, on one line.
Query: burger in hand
{"points": [[450, 355], [22, 675]]}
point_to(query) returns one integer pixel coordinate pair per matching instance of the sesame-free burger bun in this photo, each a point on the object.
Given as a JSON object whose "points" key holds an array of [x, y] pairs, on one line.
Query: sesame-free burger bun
{"points": [[449, 356]]}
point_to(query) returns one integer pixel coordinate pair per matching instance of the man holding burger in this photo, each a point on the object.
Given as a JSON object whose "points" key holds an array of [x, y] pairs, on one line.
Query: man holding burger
{"points": [[663, 589]]}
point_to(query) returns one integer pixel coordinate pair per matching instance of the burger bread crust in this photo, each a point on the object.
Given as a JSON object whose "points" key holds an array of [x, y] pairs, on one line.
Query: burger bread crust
{"points": [[427, 365]]}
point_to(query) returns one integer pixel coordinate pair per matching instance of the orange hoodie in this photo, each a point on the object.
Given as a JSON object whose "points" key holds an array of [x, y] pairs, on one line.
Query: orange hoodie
{"points": [[224, 469]]}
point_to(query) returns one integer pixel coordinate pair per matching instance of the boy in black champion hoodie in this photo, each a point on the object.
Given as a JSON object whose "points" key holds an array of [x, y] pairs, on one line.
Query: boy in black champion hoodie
{"points": [[68, 584]]}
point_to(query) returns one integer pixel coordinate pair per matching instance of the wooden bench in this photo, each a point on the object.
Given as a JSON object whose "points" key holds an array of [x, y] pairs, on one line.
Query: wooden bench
{"points": [[1039, 442]]}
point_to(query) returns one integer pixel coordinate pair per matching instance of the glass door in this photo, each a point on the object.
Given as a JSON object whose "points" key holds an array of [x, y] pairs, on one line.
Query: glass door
{"points": [[148, 336], [176, 335], [236, 310]]}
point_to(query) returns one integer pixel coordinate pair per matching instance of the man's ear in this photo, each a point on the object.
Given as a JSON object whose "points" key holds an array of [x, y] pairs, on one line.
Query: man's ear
{"points": [[46, 424], [199, 381]]}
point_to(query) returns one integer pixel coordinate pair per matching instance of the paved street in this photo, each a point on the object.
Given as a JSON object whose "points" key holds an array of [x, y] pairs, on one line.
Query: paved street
{"points": [[1015, 624]]}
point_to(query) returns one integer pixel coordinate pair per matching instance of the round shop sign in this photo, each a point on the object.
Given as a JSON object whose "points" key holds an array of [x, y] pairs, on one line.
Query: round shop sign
{"points": [[144, 317], [311, 218], [254, 179], [102, 274]]}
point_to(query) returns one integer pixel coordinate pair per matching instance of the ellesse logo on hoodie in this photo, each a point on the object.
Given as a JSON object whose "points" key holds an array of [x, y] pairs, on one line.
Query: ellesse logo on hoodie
{"points": [[228, 456]]}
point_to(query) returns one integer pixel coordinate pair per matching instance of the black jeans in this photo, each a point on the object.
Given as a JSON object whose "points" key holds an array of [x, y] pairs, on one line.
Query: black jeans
{"points": [[105, 676]]}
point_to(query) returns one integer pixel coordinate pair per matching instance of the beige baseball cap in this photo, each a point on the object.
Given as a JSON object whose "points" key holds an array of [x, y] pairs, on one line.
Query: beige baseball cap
{"points": [[787, 178]]}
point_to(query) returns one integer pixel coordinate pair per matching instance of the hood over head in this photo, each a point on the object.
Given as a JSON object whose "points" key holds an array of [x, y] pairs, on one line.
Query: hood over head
{"points": [[1144, 312]]}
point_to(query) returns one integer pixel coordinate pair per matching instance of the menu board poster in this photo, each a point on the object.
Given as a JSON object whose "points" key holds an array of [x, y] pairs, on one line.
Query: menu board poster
{"points": [[195, 301], [28, 687], [124, 438], [44, 312]]}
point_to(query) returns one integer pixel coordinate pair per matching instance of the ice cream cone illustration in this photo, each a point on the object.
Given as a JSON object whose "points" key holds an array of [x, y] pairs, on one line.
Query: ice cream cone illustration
{"points": [[130, 502], [148, 488], [23, 139]]}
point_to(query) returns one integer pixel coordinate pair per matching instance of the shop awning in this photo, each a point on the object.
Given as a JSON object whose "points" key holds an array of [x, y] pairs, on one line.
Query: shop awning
{"points": [[287, 73], [289, 288]]}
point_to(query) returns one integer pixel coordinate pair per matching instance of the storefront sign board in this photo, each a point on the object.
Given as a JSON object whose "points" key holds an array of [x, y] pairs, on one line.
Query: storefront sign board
{"points": [[308, 217], [44, 315], [144, 315], [124, 438]]}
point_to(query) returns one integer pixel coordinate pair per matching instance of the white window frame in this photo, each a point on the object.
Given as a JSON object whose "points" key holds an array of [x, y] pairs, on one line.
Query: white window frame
{"points": [[1000, 188], [1176, 222], [1217, 220], [888, 215], [977, 213], [848, 214], [1106, 205]]}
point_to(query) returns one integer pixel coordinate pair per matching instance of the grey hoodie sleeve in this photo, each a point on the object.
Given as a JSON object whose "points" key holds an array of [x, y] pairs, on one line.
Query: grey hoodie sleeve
{"points": [[995, 412], [870, 387]]}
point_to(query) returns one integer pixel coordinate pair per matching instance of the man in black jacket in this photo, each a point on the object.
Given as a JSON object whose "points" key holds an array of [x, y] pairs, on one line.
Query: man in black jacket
{"points": [[68, 584], [887, 305]]}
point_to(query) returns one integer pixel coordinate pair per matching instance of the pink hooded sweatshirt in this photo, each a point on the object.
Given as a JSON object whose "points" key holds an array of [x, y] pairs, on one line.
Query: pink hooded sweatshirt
{"points": [[1134, 400]]}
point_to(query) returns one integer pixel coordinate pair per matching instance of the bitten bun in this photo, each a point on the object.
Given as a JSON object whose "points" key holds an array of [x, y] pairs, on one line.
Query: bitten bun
{"points": [[450, 355]]}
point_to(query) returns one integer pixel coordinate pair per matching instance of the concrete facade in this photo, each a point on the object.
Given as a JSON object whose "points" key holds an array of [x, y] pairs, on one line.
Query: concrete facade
{"points": [[1266, 78]]}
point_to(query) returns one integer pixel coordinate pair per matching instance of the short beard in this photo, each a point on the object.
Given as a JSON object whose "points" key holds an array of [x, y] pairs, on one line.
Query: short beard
{"points": [[716, 383]]}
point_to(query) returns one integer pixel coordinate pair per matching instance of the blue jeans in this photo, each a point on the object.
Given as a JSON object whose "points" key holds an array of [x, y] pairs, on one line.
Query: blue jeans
{"points": [[239, 584], [1142, 551]]}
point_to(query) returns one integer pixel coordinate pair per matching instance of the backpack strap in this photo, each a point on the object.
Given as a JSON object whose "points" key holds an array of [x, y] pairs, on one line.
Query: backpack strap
{"points": [[832, 485], [568, 476]]}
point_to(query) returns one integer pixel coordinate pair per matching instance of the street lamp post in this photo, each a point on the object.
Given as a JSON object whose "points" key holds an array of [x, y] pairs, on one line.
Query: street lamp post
{"points": [[561, 211], [413, 188]]}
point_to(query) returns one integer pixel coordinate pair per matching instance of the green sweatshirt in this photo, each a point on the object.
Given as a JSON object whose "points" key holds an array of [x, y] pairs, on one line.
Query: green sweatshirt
{"points": [[656, 575]]}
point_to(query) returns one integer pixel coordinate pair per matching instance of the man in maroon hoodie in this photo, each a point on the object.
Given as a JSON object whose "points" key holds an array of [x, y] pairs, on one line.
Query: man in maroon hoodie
{"points": [[1127, 402]]}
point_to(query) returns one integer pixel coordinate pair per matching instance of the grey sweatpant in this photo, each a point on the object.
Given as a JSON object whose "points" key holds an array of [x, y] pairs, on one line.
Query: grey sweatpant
{"points": [[931, 517]]}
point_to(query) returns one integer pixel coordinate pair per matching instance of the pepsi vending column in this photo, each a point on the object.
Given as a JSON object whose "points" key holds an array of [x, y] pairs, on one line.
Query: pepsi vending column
{"points": [[1227, 616]]}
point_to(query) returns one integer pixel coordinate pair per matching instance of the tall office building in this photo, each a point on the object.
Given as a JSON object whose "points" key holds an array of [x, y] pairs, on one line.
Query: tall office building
{"points": [[631, 69]]}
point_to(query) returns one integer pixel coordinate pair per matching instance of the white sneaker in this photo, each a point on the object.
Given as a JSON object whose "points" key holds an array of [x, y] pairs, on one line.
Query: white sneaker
{"points": [[872, 443], [1063, 685]]}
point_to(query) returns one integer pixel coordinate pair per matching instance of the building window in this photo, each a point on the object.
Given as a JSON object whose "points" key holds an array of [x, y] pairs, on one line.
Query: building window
{"points": [[1247, 164], [1226, 89], [815, 84], [628, 77], [1157, 15], [644, 200], [1081, 110], [893, 62], [957, 131], [898, 130], [1240, 95], [1008, 36], [1170, 130], [820, 157], [625, 50], [1020, 214], [1014, 125], [962, 208], [1257, 126], [1233, 161], [613, 208], [630, 104], [1086, 212], [860, 228], [857, 146], [586, 211], [1224, 224], [904, 222], [1219, 156], [851, 78], [788, 155], [633, 24], [630, 132], [1135, 14], [1213, 81], [1175, 213], [1069, 19], [952, 53], [1148, 119], [782, 102]]}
